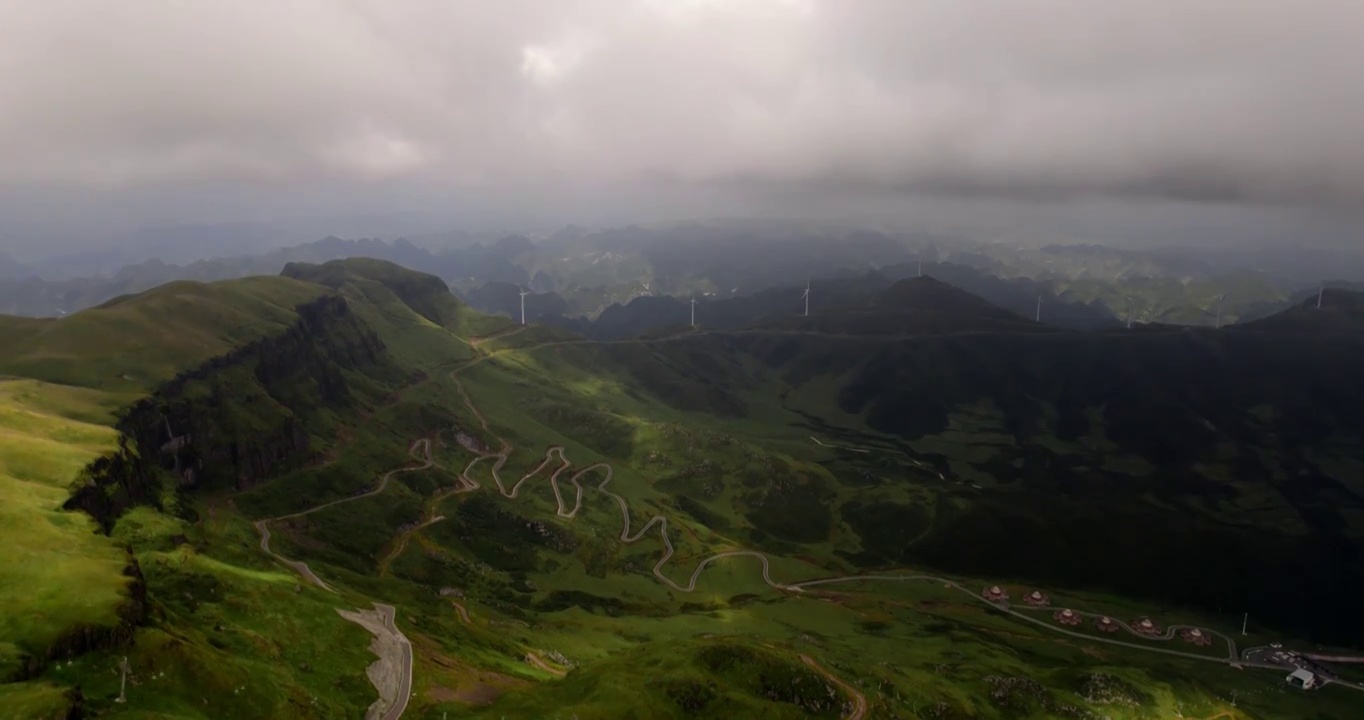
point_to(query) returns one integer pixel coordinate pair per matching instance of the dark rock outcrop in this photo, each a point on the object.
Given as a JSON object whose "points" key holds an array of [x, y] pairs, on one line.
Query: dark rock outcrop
{"points": [[237, 418], [80, 639]]}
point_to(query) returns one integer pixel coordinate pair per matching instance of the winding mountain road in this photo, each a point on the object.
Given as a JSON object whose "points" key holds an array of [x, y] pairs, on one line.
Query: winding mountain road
{"points": [[499, 458], [263, 526], [798, 587], [387, 612], [405, 669]]}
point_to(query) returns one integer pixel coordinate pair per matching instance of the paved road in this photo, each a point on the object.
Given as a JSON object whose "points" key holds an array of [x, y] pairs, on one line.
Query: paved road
{"points": [[662, 523], [406, 536], [500, 460], [1289, 660], [388, 611], [405, 683], [849, 448], [1169, 633], [263, 526], [1335, 658], [476, 340]]}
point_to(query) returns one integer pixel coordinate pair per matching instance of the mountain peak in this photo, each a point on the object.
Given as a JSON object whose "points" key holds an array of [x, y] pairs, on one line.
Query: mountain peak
{"points": [[927, 294], [1339, 311]]}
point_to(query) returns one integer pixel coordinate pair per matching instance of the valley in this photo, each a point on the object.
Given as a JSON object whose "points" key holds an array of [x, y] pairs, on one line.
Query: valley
{"points": [[681, 360], [750, 522]]}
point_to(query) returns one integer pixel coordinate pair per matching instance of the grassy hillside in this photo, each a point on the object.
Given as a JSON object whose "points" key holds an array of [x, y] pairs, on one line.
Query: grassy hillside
{"points": [[932, 457], [748, 475], [59, 574], [1043, 455], [1330, 311], [218, 363], [69, 378], [915, 306], [131, 344]]}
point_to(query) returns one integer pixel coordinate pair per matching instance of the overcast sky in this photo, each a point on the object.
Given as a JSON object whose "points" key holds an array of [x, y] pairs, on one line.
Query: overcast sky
{"points": [[158, 111]]}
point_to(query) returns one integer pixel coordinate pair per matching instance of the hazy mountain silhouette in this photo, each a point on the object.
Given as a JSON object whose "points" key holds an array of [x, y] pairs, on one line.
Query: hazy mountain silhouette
{"points": [[504, 298], [11, 269], [1341, 311]]}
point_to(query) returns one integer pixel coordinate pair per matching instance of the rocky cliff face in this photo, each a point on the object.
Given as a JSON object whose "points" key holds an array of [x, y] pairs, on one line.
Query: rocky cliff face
{"points": [[230, 422], [80, 639], [237, 418]]}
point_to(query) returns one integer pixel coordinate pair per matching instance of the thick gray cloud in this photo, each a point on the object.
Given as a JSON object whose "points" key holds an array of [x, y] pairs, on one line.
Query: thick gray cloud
{"points": [[1249, 101]]}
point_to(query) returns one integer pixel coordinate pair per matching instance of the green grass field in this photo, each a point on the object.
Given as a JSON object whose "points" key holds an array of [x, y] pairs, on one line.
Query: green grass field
{"points": [[698, 428], [59, 573], [626, 613], [132, 344]]}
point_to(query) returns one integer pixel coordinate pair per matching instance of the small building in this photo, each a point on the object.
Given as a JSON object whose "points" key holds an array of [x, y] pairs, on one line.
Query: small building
{"points": [[1037, 598], [1106, 624], [995, 593], [1146, 626], [1304, 679], [1067, 617], [1196, 636]]}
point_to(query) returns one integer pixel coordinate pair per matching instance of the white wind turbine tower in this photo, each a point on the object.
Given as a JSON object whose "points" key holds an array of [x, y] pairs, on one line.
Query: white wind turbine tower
{"points": [[524, 293], [806, 296], [123, 682], [1218, 322], [921, 265], [1038, 316], [1320, 292], [693, 311]]}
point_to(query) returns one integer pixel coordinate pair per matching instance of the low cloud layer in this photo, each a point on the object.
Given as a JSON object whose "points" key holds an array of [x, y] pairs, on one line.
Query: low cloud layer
{"points": [[1248, 101]]}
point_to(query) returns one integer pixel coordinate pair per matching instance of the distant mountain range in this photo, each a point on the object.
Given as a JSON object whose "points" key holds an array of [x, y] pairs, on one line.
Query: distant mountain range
{"points": [[579, 275], [44, 298], [836, 304], [11, 269]]}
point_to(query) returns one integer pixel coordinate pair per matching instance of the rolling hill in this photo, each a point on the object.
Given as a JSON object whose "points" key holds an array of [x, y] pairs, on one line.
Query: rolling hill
{"points": [[1238, 444], [915, 306], [239, 461]]}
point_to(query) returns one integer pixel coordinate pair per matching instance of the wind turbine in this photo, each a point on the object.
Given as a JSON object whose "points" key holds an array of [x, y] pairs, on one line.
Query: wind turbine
{"points": [[1038, 316], [1320, 292], [921, 265], [524, 293], [806, 296], [693, 311], [1218, 322], [123, 682]]}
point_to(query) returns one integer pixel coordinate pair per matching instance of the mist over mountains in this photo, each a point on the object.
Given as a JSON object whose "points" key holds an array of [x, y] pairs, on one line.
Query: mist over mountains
{"points": [[578, 275], [681, 360]]}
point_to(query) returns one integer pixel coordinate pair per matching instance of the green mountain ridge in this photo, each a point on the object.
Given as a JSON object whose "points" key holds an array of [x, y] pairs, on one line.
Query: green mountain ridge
{"points": [[913, 306], [981, 444]]}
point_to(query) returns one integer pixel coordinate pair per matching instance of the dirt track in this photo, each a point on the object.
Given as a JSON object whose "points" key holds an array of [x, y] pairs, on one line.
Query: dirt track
{"points": [[535, 660], [859, 701]]}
